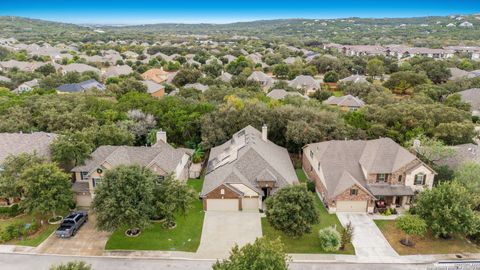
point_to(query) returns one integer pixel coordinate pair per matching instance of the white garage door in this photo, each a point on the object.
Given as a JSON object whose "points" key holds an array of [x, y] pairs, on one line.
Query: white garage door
{"points": [[352, 206], [250, 204], [222, 204], [84, 200]]}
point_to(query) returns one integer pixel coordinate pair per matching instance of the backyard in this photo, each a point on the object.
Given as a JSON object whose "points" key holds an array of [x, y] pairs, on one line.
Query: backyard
{"points": [[308, 243], [427, 244], [184, 237]]}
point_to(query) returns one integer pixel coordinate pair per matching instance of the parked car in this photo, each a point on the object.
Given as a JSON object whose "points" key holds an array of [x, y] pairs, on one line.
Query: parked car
{"points": [[71, 224]]}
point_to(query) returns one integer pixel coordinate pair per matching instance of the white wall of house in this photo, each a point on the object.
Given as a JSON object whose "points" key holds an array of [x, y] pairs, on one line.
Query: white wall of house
{"points": [[181, 171]]}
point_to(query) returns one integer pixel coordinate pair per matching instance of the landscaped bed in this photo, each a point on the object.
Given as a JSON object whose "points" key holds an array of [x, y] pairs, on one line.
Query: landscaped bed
{"points": [[34, 239], [308, 243], [427, 244], [184, 237]]}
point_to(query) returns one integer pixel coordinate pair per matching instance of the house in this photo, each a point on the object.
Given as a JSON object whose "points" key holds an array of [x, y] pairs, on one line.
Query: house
{"points": [[154, 89], [265, 81], [472, 97], [19, 143], [116, 71], [305, 83], [461, 154], [157, 75], [80, 68], [281, 94], [347, 102], [161, 158], [80, 87], [5, 79], [365, 176], [244, 171], [26, 86], [20, 65], [458, 74], [197, 86], [355, 79], [225, 77], [466, 24]]}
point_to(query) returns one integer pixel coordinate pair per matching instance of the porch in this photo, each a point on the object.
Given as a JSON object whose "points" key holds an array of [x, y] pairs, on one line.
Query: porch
{"points": [[396, 198]]}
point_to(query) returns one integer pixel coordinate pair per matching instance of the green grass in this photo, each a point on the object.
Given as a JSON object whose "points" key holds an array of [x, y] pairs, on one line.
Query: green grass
{"points": [[338, 93], [426, 244], [301, 175], [33, 240], [184, 237], [308, 243]]}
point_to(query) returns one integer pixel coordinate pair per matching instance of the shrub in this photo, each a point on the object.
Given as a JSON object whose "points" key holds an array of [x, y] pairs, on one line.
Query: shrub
{"points": [[330, 239], [411, 225], [346, 235], [311, 186], [10, 211], [72, 266]]}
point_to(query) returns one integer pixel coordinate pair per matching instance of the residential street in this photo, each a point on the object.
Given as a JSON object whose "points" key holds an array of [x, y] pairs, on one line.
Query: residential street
{"points": [[43, 262]]}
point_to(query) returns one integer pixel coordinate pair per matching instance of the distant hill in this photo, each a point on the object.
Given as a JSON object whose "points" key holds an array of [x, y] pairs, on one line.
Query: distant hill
{"points": [[420, 31]]}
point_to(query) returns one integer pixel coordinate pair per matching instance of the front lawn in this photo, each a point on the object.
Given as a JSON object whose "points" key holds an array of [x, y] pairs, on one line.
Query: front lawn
{"points": [[426, 244], [184, 237], [33, 240], [308, 243]]}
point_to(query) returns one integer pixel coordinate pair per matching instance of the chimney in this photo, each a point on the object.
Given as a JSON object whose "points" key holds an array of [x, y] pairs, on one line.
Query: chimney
{"points": [[162, 136], [264, 132]]}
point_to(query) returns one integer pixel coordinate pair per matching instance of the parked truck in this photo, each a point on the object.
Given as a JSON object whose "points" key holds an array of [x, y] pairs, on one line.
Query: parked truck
{"points": [[71, 224]]}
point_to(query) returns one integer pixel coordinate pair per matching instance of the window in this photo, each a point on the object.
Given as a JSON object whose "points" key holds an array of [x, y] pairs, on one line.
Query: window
{"points": [[420, 179], [84, 175], [400, 178], [222, 191], [318, 166], [353, 192], [311, 153], [96, 182], [381, 178]]}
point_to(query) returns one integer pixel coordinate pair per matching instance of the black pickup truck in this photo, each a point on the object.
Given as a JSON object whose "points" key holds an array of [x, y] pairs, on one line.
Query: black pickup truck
{"points": [[71, 224]]}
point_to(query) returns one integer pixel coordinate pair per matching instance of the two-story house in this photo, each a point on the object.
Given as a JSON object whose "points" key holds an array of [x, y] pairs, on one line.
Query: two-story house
{"points": [[161, 158], [359, 176]]}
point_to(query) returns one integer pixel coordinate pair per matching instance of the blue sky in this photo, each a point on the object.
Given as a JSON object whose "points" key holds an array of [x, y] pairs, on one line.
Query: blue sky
{"points": [[224, 11]]}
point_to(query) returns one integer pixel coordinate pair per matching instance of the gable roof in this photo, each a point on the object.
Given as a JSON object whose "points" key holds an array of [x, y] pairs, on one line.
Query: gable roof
{"points": [[18, 143], [81, 86], [281, 94], [162, 154], [345, 101], [304, 81], [343, 162], [245, 159], [471, 96]]}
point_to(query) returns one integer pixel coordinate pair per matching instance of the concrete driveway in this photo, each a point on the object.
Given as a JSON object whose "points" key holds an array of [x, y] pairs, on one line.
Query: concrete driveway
{"points": [[221, 230], [368, 240], [87, 242]]}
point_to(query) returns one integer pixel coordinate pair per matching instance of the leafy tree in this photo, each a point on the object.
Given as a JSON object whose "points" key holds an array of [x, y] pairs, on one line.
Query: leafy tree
{"points": [[411, 225], [321, 95], [46, 189], [212, 69], [46, 69], [12, 168], [281, 70], [447, 209], [375, 67], [468, 174], [455, 101], [360, 90], [76, 265], [402, 82], [111, 134], [292, 210], [171, 197], [72, 149], [346, 235], [261, 255], [127, 85], [330, 77], [186, 76], [238, 65], [125, 198], [330, 239]]}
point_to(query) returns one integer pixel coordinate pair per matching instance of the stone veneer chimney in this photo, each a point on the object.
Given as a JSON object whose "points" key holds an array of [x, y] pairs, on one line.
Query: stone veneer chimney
{"points": [[264, 132], [162, 136]]}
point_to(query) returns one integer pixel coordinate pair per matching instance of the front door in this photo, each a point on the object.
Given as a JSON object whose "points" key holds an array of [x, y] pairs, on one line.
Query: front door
{"points": [[398, 200], [266, 192]]}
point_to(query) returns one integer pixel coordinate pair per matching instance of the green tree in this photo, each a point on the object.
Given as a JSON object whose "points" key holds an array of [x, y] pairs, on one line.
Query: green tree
{"points": [[12, 168], [172, 196], [330, 239], [281, 70], [292, 210], [375, 67], [125, 198], [72, 149], [410, 225], [468, 174], [46, 70], [346, 235], [261, 255], [330, 77], [447, 209], [46, 189], [185, 76], [76, 265]]}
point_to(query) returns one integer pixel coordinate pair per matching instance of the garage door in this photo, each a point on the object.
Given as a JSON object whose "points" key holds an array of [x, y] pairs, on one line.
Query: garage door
{"points": [[250, 204], [352, 206], [222, 204], [84, 200]]}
